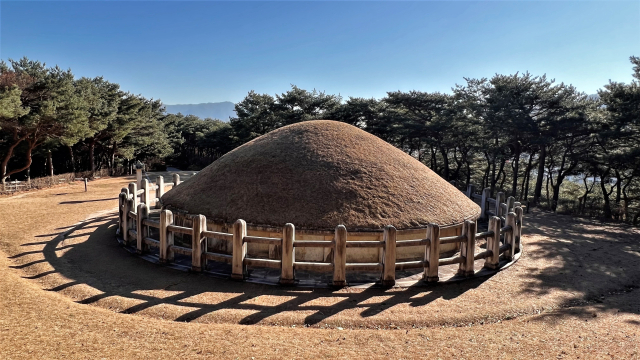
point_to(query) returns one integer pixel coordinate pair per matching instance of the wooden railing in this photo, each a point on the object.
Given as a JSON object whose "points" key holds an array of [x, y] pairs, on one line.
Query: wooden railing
{"points": [[502, 238]]}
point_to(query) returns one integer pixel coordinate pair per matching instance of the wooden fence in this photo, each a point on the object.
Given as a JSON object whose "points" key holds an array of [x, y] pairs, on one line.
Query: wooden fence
{"points": [[501, 239]]}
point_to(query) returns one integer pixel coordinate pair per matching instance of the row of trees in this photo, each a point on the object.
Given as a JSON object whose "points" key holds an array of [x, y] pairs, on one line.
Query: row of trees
{"points": [[95, 123], [518, 133]]}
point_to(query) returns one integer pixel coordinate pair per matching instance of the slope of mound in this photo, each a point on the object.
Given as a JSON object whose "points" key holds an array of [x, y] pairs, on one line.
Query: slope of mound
{"points": [[319, 174]]}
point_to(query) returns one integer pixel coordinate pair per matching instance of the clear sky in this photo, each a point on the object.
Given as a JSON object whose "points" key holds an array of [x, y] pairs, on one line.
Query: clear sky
{"points": [[194, 52]]}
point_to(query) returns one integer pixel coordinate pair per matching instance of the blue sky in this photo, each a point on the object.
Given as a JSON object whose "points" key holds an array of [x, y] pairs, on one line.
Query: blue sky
{"points": [[193, 52]]}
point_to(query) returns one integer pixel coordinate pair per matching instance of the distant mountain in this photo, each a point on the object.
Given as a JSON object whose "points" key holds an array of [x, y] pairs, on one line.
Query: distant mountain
{"points": [[221, 110]]}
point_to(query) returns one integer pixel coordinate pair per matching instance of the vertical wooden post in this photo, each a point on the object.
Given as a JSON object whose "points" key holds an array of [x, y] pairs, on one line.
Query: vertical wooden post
{"points": [[518, 235], [198, 247], [166, 236], [340, 256], [467, 250], [493, 244], [146, 196], [238, 269], [85, 184], [471, 189], [133, 190], [139, 177], [486, 193], [510, 237], [510, 202], [176, 180], [141, 229], [122, 198], [389, 258], [288, 254], [433, 253], [125, 220], [159, 190], [130, 222], [499, 201]]}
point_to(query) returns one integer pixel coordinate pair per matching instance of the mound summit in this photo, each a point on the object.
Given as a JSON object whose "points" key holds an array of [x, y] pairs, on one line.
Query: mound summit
{"points": [[317, 175]]}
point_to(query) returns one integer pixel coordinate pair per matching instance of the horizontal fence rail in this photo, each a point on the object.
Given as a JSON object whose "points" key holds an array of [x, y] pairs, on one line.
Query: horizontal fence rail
{"points": [[500, 240]]}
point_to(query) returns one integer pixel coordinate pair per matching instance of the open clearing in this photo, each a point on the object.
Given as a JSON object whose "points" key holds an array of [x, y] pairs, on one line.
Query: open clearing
{"points": [[68, 290]]}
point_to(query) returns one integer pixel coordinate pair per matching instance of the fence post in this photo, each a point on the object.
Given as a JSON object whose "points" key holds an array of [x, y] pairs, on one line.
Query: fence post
{"points": [[139, 177], [499, 201], [518, 235], [288, 254], [176, 180], [510, 202], [340, 256], [198, 247], [471, 189], [238, 269], [141, 229], [432, 253], [467, 250], [125, 220], [389, 258], [131, 207], [85, 184], [486, 193], [510, 237], [133, 190], [493, 244], [166, 236], [159, 190], [122, 199], [146, 196]]}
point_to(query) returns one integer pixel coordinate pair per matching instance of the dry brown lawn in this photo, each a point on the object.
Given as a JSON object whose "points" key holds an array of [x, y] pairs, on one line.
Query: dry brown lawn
{"points": [[69, 291]]}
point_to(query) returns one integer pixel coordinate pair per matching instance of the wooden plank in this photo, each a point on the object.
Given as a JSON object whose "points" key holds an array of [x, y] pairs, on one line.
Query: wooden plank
{"points": [[224, 258], [415, 242], [151, 242], [450, 260], [181, 250], [340, 256], [364, 266], [453, 239], [510, 236], [484, 235], [151, 223], [389, 257], [483, 255], [218, 235], [518, 235], [268, 263], [262, 240], [365, 244], [314, 243], [406, 265], [288, 254], [238, 269], [313, 266], [180, 229]]}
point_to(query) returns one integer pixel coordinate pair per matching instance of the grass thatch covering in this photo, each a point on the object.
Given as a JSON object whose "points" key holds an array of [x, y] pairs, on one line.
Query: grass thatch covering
{"points": [[319, 174]]}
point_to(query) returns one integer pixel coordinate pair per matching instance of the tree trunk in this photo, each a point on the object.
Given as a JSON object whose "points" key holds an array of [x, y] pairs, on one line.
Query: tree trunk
{"points": [[537, 192], [607, 203], [516, 166], [50, 163], [73, 162], [92, 147]]}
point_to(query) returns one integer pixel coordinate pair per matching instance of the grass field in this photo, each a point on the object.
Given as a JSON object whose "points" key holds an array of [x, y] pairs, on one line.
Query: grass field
{"points": [[69, 291]]}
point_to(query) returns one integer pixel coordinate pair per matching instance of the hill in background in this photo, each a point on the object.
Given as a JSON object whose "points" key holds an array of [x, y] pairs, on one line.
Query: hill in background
{"points": [[220, 110]]}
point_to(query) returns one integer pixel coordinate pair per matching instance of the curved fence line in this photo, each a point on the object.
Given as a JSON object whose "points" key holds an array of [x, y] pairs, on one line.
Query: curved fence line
{"points": [[502, 238]]}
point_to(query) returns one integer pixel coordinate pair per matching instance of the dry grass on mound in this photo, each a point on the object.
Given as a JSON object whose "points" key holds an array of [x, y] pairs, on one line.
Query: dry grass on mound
{"points": [[319, 174]]}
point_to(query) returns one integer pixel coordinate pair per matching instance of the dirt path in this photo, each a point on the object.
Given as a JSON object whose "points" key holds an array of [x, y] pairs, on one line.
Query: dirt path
{"points": [[65, 288]]}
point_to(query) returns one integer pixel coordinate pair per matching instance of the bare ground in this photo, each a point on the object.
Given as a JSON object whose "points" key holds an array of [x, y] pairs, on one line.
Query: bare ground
{"points": [[68, 290]]}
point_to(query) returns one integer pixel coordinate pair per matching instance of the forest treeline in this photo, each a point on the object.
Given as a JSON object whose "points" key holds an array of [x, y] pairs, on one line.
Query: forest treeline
{"points": [[535, 139]]}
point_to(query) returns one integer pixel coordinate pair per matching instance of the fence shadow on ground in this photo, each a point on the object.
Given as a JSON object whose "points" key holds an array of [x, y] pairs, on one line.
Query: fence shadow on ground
{"points": [[599, 264], [102, 264]]}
